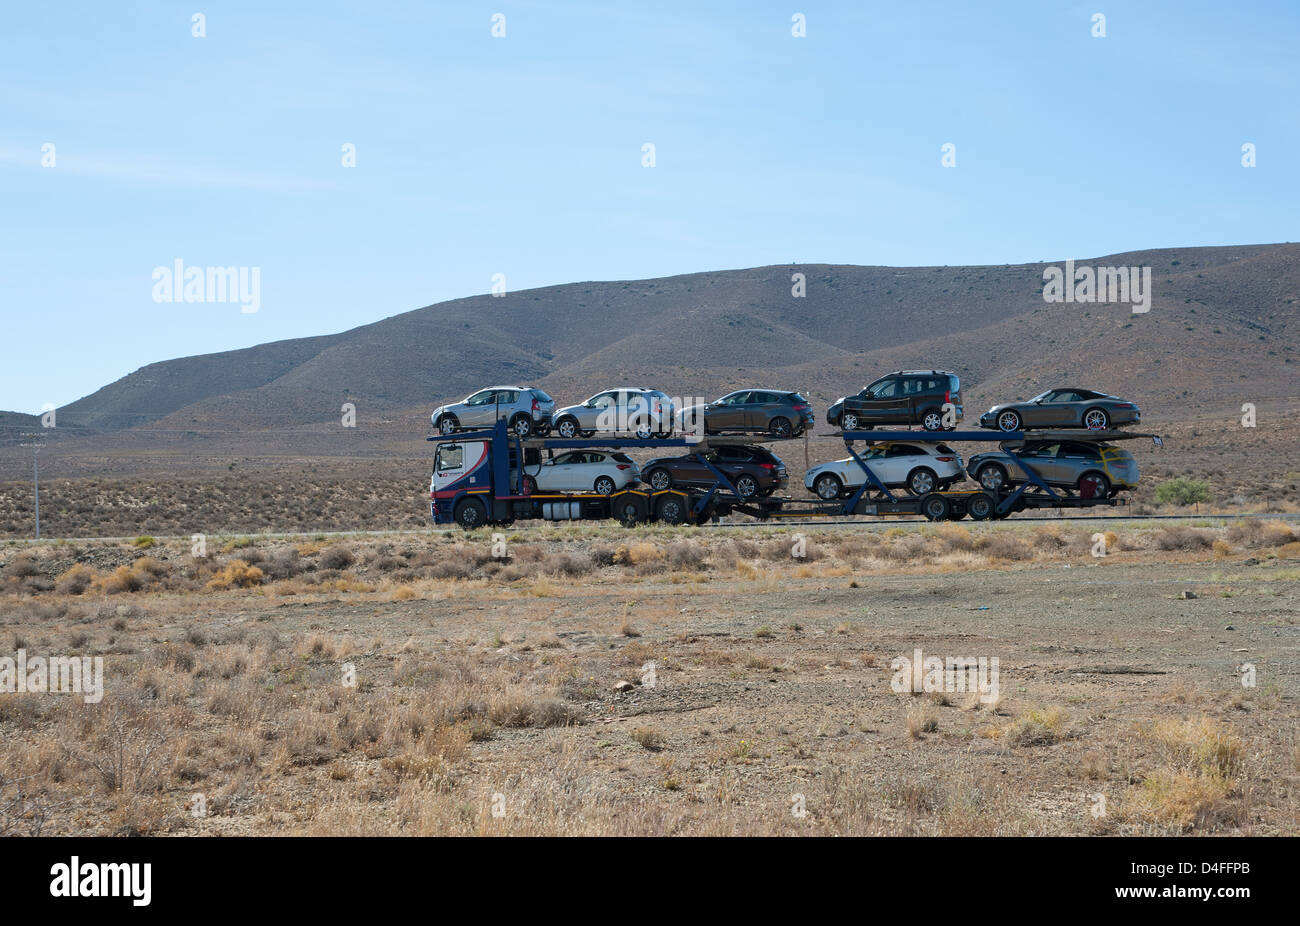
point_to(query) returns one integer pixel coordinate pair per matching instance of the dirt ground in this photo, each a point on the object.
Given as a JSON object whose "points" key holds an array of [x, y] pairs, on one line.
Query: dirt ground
{"points": [[447, 684]]}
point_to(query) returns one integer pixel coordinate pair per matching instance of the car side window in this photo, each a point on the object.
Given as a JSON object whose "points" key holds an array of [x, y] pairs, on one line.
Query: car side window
{"points": [[903, 450], [886, 390], [508, 397], [480, 398]]}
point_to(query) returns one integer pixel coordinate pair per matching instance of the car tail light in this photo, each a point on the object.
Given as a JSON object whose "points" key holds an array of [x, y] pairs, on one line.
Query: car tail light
{"points": [[945, 459], [625, 466], [536, 407], [768, 465], [1126, 405], [801, 408]]}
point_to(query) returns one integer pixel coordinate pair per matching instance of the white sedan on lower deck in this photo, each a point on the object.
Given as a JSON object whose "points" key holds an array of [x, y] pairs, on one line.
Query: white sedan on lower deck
{"points": [[599, 471], [916, 466]]}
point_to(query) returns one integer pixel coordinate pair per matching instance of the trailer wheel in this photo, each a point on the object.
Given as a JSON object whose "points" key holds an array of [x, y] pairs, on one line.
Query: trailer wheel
{"points": [[629, 511], [672, 509], [935, 507], [980, 506], [470, 513]]}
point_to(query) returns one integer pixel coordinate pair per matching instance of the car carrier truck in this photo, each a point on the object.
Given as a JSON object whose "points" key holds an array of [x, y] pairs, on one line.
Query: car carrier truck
{"points": [[478, 479]]}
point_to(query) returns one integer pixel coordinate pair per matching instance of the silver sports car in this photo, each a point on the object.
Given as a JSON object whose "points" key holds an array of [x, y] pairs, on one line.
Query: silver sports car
{"points": [[1063, 408]]}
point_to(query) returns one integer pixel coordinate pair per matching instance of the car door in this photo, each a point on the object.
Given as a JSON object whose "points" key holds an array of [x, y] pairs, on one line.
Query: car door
{"points": [[899, 461], [729, 413], [479, 410], [885, 404], [1051, 412], [690, 468], [599, 413], [556, 475], [765, 407], [1073, 458], [1042, 460], [733, 461]]}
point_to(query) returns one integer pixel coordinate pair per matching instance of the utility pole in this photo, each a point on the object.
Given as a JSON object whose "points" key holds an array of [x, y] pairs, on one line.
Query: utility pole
{"points": [[34, 440]]}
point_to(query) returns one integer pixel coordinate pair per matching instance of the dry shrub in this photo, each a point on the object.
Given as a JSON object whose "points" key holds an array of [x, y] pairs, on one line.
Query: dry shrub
{"points": [[75, 581], [122, 579], [636, 553], [236, 574], [1201, 762], [338, 556], [1182, 538], [911, 548], [684, 554], [568, 564], [1256, 533], [922, 717], [1038, 727], [1007, 546]]}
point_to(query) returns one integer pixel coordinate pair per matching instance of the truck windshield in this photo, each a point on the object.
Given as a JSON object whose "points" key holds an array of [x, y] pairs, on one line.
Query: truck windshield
{"points": [[450, 456]]}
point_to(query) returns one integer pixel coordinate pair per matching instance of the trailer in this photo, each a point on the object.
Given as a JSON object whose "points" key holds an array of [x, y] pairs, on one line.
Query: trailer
{"points": [[478, 480]]}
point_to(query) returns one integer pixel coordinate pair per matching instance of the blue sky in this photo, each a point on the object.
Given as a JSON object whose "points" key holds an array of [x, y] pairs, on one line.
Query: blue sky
{"points": [[522, 155]]}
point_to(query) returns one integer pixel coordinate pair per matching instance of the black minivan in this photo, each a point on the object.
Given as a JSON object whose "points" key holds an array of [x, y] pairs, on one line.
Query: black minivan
{"points": [[901, 399]]}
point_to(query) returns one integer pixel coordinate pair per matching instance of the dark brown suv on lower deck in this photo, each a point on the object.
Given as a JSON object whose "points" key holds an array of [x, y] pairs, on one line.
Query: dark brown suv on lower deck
{"points": [[751, 470]]}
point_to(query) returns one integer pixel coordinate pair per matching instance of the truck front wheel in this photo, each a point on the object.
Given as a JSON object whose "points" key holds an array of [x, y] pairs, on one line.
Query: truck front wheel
{"points": [[470, 513]]}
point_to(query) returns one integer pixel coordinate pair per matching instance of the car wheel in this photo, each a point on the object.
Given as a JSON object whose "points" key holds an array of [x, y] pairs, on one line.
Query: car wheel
{"points": [[604, 486], [1009, 421], [980, 506], [828, 487], [849, 422], [521, 426], [660, 479], [568, 428], [672, 509], [746, 486], [448, 424], [470, 513], [992, 476], [642, 430], [1094, 485], [935, 507], [921, 481], [780, 428], [1096, 419], [932, 420], [588, 433], [529, 486]]}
